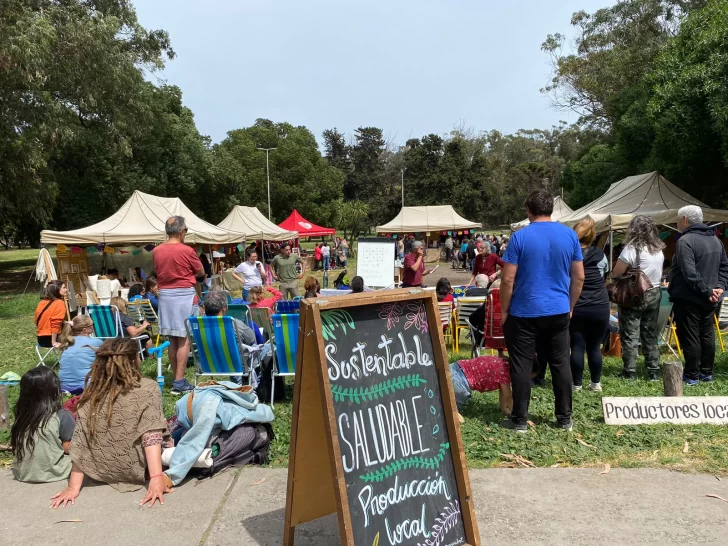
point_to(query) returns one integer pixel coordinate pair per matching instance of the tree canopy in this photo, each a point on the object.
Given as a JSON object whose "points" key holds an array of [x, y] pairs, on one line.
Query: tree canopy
{"points": [[81, 126]]}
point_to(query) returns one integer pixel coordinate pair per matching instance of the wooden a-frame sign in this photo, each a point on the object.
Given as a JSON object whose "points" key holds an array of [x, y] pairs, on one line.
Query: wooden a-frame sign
{"points": [[402, 391]]}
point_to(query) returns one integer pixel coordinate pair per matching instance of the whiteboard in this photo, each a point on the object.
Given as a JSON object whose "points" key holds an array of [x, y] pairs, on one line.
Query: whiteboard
{"points": [[375, 261]]}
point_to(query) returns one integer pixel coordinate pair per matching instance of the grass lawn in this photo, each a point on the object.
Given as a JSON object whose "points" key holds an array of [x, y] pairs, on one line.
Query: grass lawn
{"points": [[592, 442]]}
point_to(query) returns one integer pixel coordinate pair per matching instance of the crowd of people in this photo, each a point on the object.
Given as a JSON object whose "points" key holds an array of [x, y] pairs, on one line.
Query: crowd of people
{"points": [[551, 282]]}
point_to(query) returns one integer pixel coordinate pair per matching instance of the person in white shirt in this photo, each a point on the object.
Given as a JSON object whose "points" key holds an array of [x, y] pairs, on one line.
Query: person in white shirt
{"points": [[326, 253], [639, 324], [251, 270]]}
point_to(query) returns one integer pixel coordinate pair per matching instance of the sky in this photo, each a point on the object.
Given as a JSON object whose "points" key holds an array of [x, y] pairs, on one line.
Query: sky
{"points": [[410, 67]]}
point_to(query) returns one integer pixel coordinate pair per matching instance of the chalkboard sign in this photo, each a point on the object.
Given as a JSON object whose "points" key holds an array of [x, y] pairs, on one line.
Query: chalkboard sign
{"points": [[375, 261], [380, 420]]}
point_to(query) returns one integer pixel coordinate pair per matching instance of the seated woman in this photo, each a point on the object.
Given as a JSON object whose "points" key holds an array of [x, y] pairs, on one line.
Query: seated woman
{"points": [[127, 323], [50, 314], [151, 292], [444, 291], [120, 428], [41, 434], [311, 285], [256, 297], [78, 353]]}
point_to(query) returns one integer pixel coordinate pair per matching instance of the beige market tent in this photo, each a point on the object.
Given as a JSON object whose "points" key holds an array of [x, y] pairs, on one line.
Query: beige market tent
{"points": [[561, 209], [650, 194], [141, 220], [251, 221], [427, 219]]}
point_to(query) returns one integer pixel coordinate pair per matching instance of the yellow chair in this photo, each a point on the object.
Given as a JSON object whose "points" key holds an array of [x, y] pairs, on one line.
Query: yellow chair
{"points": [[723, 314]]}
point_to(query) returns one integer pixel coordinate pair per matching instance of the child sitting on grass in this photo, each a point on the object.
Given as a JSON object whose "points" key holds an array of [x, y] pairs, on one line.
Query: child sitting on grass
{"points": [[40, 438]]}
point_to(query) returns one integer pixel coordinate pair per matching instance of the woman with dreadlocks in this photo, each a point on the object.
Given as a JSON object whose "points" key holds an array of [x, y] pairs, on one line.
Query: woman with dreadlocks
{"points": [[120, 427]]}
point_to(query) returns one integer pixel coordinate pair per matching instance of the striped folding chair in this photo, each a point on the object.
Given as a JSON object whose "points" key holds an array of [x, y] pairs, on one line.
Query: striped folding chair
{"points": [[239, 311], [216, 349], [665, 328], [261, 317], [464, 308], [107, 324], [493, 336], [721, 318], [285, 307], [134, 308], [285, 329]]}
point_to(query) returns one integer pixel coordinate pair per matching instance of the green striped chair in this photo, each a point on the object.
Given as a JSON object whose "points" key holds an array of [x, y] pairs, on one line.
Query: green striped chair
{"points": [[285, 329], [239, 311], [216, 350], [107, 323]]}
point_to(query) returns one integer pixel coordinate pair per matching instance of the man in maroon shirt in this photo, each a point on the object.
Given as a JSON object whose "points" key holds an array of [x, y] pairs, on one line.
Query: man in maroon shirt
{"points": [[414, 266], [485, 264]]}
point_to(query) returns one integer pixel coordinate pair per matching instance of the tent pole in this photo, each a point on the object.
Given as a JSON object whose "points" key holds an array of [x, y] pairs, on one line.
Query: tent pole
{"points": [[611, 251]]}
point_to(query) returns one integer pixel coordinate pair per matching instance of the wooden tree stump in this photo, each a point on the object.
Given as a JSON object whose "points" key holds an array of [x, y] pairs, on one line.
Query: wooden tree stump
{"points": [[672, 373], [4, 408]]}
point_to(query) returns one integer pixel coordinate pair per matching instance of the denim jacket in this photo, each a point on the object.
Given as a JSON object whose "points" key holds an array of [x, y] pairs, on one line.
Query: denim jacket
{"points": [[216, 407]]}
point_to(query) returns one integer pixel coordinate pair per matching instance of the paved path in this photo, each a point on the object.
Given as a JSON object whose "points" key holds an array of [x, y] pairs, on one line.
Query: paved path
{"points": [[529, 506]]}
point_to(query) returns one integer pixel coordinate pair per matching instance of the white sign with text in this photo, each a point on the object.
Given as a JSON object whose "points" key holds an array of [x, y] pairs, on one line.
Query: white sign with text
{"points": [[677, 410]]}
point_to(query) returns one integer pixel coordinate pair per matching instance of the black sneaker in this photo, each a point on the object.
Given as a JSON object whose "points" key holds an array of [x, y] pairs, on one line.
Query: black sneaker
{"points": [[629, 376], [510, 425], [567, 426], [706, 378], [653, 375]]}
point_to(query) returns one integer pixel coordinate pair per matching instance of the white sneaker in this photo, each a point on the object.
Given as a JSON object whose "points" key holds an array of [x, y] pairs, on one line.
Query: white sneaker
{"points": [[596, 387], [575, 388]]}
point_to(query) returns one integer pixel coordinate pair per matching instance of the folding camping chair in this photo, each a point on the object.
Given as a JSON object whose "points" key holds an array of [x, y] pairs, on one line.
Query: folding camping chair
{"points": [[446, 315], [239, 311], [721, 318], [285, 329], [665, 326], [284, 307], [149, 314], [464, 308], [261, 317], [107, 324], [217, 351], [492, 333], [48, 352]]}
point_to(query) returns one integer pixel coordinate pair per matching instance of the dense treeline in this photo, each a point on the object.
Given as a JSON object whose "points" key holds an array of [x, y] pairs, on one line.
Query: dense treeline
{"points": [[80, 127]]}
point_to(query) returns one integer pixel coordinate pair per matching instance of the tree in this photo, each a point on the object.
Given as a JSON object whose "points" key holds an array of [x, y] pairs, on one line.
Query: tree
{"points": [[65, 67], [351, 217]]}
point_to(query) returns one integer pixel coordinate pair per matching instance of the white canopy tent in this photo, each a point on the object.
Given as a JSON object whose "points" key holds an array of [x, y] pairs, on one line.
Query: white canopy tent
{"points": [[427, 219], [251, 221], [141, 220], [561, 209], [649, 194]]}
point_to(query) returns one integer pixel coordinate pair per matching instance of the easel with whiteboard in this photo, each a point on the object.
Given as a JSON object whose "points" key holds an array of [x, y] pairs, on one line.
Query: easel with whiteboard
{"points": [[375, 261]]}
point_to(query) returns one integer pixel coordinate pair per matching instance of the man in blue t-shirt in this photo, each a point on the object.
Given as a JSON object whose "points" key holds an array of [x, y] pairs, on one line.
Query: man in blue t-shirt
{"points": [[541, 282]]}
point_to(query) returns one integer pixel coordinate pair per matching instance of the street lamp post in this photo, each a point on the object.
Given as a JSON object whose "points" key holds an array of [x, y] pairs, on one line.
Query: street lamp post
{"points": [[267, 173], [403, 187]]}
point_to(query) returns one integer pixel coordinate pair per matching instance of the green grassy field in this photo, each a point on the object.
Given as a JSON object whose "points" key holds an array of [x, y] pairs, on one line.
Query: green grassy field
{"points": [[486, 444]]}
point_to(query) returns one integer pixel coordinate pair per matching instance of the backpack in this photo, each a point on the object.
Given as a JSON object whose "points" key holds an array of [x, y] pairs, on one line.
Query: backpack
{"points": [[248, 443], [629, 290]]}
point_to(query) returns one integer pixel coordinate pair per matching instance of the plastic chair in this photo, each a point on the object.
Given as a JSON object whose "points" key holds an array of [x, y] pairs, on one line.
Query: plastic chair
{"points": [[446, 313], [216, 349], [262, 317], [239, 311], [285, 329], [107, 323], [464, 308]]}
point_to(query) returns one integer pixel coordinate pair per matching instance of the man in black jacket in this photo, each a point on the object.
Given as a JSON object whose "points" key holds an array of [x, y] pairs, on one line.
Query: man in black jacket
{"points": [[698, 277]]}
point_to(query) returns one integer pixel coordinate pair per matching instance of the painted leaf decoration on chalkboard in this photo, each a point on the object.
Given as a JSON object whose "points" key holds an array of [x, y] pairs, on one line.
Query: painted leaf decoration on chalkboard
{"points": [[391, 313], [417, 317], [361, 394], [404, 464], [447, 519], [331, 320]]}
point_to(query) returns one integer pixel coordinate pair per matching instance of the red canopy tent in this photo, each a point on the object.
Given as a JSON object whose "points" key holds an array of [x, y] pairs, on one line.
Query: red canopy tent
{"points": [[296, 222]]}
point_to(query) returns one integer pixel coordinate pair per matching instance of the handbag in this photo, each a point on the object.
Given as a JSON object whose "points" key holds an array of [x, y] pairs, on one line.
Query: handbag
{"points": [[629, 290]]}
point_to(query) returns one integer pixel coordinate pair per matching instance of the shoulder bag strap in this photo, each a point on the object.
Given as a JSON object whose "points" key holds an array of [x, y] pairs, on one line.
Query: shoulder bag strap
{"points": [[638, 251], [37, 321]]}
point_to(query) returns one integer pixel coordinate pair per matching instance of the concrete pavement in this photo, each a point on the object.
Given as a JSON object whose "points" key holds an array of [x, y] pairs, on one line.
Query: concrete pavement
{"points": [[513, 506]]}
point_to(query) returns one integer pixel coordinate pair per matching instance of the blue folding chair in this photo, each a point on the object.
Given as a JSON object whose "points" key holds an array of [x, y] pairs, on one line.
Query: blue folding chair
{"points": [[284, 307], [107, 323], [285, 329], [217, 351]]}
